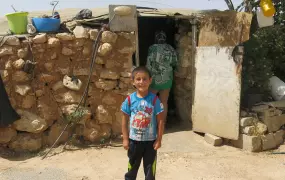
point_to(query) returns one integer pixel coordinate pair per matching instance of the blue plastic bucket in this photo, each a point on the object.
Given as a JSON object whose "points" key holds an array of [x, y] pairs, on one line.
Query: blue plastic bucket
{"points": [[46, 24]]}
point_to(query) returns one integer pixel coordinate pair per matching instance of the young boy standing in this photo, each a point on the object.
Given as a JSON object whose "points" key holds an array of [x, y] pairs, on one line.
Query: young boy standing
{"points": [[143, 112]]}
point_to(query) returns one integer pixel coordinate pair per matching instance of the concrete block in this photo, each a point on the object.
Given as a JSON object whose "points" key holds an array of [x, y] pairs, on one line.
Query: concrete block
{"points": [[213, 140], [248, 143], [249, 130], [273, 123], [268, 142], [246, 121], [279, 137]]}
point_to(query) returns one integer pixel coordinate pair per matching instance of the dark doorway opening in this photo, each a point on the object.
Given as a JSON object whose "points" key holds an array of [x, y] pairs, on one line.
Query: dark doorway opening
{"points": [[147, 26]]}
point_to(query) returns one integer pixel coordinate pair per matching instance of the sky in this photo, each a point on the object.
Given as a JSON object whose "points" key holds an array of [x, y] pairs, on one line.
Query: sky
{"points": [[38, 5]]}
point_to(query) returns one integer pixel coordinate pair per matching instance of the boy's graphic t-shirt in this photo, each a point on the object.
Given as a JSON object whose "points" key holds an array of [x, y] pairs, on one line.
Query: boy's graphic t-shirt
{"points": [[142, 112]]}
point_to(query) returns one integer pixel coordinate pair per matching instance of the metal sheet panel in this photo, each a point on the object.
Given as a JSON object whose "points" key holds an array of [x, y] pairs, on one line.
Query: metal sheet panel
{"points": [[216, 105]]}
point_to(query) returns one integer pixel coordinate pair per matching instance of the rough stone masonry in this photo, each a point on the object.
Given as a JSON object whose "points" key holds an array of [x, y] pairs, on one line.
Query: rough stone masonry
{"points": [[59, 79]]}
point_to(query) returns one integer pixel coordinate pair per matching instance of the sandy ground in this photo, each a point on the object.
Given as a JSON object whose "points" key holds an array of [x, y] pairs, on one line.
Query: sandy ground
{"points": [[184, 156]]}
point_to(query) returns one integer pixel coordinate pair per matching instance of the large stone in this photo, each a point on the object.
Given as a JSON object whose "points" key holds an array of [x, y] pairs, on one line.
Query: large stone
{"points": [[107, 74], [53, 42], [22, 89], [66, 51], [106, 84], [126, 74], [99, 60], [53, 56], [68, 97], [279, 137], [83, 72], [93, 34], [105, 49], [13, 41], [268, 142], [265, 110], [20, 76], [126, 80], [213, 140], [117, 123], [81, 32], [48, 109], [22, 53], [40, 39], [73, 84], [247, 121], [30, 122], [248, 143], [46, 78], [39, 48], [86, 51], [7, 134], [65, 36], [49, 66], [79, 42], [8, 65], [109, 37], [92, 134], [26, 142], [103, 116], [123, 10], [57, 86], [39, 93], [19, 64], [273, 123], [55, 132], [6, 51], [112, 99], [106, 130], [28, 102], [249, 130], [81, 115], [261, 128], [5, 75]]}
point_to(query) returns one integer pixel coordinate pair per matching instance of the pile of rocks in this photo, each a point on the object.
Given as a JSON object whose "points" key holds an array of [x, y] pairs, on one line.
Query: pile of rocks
{"points": [[262, 130], [58, 82]]}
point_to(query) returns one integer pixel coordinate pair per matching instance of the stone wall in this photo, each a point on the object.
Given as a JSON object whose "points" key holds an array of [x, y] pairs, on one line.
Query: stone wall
{"points": [[183, 74], [262, 129], [57, 84]]}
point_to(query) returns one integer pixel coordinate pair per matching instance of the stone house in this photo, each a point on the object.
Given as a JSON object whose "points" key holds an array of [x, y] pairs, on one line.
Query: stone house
{"points": [[207, 81]]}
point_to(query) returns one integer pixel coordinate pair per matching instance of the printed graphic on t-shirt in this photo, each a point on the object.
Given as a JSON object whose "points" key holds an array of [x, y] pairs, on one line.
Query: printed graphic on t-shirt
{"points": [[142, 112], [141, 122]]}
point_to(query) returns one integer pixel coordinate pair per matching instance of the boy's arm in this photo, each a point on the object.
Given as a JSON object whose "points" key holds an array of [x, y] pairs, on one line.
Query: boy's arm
{"points": [[160, 130], [160, 123], [125, 131]]}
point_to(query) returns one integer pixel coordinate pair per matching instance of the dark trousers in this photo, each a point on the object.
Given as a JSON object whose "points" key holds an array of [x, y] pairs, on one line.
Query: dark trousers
{"points": [[139, 150]]}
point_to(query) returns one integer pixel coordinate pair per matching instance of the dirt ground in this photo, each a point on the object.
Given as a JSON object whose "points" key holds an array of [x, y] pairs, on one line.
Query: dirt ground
{"points": [[184, 156]]}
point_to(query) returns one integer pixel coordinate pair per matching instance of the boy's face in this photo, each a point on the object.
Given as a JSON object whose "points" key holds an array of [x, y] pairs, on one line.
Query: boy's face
{"points": [[142, 81]]}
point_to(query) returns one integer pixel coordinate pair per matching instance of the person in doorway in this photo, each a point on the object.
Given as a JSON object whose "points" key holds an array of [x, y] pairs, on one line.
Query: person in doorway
{"points": [[161, 61], [142, 110]]}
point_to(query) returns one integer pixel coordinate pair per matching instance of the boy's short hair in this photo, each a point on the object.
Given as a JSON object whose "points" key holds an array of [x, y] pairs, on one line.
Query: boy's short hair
{"points": [[140, 69]]}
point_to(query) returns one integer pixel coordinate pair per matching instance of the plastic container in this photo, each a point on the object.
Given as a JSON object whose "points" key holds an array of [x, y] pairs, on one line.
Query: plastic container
{"points": [[277, 87], [267, 7], [18, 22], [46, 24], [264, 21]]}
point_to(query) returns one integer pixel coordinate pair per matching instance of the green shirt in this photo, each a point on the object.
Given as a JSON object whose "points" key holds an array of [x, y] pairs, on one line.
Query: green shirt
{"points": [[161, 61]]}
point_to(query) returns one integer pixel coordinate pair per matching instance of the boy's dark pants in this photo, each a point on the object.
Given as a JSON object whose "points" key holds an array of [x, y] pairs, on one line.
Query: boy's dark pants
{"points": [[139, 150]]}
